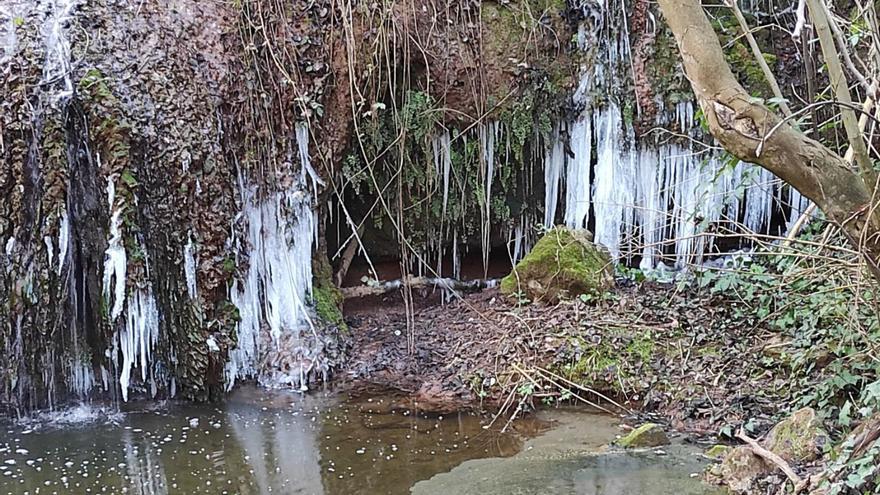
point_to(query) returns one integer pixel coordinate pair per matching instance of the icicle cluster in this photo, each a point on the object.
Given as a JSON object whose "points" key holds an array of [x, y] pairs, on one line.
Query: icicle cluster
{"points": [[135, 341], [275, 291], [649, 196]]}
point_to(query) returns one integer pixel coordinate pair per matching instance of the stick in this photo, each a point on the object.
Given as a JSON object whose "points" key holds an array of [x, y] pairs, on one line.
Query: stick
{"points": [[799, 484]]}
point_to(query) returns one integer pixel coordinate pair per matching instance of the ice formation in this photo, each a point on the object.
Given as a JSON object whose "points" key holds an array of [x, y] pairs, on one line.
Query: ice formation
{"points": [[114, 259], [275, 290], [136, 339]]}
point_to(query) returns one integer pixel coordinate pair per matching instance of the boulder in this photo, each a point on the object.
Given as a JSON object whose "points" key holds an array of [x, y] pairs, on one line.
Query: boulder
{"points": [[563, 264], [647, 435], [798, 438], [740, 468]]}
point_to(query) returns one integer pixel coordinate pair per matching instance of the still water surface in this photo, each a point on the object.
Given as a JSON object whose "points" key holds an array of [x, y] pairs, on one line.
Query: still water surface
{"points": [[260, 442]]}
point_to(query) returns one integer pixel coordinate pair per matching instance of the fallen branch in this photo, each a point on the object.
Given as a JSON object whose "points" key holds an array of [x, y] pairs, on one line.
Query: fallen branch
{"points": [[769, 456], [418, 282]]}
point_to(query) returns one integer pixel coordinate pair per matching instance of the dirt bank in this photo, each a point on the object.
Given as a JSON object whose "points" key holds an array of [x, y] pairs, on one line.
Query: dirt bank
{"points": [[650, 348]]}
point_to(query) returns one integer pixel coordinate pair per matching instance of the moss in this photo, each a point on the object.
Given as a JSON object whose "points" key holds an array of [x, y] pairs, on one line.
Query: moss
{"points": [[326, 297], [740, 57], [647, 435], [799, 437], [327, 303], [717, 451], [641, 346], [563, 263]]}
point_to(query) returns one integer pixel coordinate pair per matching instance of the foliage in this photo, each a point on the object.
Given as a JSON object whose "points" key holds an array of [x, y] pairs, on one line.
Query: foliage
{"points": [[825, 313], [400, 161]]}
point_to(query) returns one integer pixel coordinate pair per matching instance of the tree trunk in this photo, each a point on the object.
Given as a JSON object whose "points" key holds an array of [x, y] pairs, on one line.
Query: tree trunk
{"points": [[748, 130]]}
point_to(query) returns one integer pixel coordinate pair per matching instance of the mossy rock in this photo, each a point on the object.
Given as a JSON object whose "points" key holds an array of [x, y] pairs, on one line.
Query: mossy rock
{"points": [[798, 438], [647, 435], [740, 468], [563, 264], [326, 297], [328, 301]]}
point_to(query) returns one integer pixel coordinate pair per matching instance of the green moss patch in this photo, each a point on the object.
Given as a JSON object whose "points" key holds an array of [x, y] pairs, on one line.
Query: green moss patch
{"points": [[563, 264]]}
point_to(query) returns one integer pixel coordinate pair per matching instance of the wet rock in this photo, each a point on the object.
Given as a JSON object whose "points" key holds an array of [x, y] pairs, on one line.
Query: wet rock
{"points": [[647, 435], [740, 468], [798, 438], [564, 263]]}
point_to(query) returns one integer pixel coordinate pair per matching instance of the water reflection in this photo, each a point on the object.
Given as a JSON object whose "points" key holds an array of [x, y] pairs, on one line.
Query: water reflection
{"points": [[279, 446], [256, 443], [145, 473]]}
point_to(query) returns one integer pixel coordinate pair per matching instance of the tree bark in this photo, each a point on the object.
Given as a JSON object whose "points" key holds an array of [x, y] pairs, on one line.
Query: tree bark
{"points": [[742, 125]]}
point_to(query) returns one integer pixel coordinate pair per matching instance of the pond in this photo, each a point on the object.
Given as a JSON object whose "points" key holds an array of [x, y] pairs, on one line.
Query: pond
{"points": [[260, 442]]}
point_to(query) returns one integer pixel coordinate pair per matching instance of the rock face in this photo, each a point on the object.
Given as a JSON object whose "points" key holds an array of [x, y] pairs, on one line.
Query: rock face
{"points": [[564, 263], [798, 438], [647, 435]]}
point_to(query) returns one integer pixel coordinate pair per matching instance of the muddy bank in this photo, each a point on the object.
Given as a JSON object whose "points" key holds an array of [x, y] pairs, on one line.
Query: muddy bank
{"points": [[651, 348]]}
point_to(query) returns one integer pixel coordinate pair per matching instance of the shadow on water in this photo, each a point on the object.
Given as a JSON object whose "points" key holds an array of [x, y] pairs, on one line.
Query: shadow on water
{"points": [[261, 442]]}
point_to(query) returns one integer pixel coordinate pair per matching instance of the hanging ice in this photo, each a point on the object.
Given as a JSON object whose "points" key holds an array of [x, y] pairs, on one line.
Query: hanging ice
{"points": [[63, 240], [56, 70], [138, 336], [554, 162], [577, 178], [613, 199], [306, 170], [443, 162], [649, 197], [114, 259], [278, 280]]}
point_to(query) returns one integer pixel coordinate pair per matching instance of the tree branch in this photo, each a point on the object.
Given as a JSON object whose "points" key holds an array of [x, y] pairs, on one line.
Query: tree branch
{"points": [[841, 90], [741, 124], [759, 56]]}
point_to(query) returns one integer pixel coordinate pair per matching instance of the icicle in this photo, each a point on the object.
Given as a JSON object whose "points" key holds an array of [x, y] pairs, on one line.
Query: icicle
{"points": [[189, 268], [442, 147], [652, 210], [115, 266], [759, 199], [302, 142], [614, 172], [577, 180], [456, 258], [798, 204], [80, 377], [63, 240], [57, 64], [554, 161], [138, 336]]}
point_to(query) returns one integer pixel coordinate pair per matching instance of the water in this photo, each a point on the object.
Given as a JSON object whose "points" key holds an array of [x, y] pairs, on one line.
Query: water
{"points": [[255, 443], [572, 458], [259, 442]]}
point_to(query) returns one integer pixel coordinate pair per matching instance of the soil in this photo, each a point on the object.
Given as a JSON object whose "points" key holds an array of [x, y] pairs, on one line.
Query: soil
{"points": [[654, 350]]}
